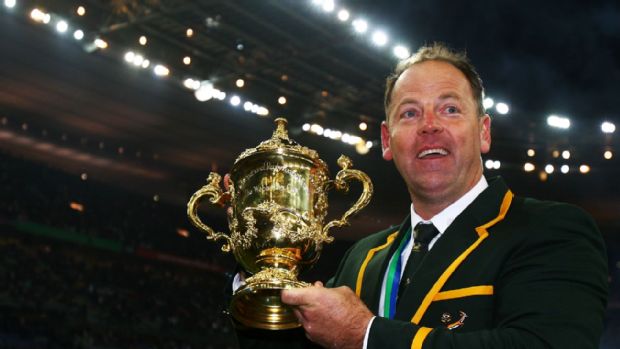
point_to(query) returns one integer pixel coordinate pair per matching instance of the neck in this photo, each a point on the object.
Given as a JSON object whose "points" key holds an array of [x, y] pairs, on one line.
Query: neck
{"points": [[428, 205]]}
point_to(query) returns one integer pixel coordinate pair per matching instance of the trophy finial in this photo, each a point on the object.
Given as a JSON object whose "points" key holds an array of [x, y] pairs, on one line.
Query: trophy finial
{"points": [[281, 131]]}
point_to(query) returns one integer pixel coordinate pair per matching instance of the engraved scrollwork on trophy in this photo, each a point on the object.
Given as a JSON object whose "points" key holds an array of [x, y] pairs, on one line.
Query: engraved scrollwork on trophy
{"points": [[272, 274]]}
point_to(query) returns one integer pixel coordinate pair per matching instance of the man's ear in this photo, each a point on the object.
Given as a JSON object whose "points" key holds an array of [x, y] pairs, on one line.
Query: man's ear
{"points": [[485, 134], [385, 141]]}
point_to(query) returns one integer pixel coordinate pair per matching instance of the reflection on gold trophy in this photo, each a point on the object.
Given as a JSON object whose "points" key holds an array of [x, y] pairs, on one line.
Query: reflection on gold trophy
{"points": [[278, 194]]}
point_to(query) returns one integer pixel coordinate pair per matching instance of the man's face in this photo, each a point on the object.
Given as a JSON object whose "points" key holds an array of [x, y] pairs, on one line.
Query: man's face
{"points": [[434, 134]]}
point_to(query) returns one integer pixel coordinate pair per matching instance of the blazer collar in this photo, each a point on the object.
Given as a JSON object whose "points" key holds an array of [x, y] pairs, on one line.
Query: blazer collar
{"points": [[456, 239]]}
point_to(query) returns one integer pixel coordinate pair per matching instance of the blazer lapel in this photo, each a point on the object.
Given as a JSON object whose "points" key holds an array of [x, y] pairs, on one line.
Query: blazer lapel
{"points": [[459, 236], [375, 270]]}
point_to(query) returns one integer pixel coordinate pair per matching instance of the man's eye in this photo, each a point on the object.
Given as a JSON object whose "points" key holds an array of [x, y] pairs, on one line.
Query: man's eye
{"points": [[409, 114], [451, 109]]}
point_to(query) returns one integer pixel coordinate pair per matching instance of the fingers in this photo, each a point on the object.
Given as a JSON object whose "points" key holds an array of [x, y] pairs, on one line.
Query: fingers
{"points": [[227, 181], [302, 296]]}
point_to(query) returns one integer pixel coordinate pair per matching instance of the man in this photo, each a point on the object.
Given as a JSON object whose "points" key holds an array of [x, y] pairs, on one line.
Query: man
{"points": [[492, 271]]}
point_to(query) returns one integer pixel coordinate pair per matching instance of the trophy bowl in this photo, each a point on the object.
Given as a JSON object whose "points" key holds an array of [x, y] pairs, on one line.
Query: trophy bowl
{"points": [[277, 193]]}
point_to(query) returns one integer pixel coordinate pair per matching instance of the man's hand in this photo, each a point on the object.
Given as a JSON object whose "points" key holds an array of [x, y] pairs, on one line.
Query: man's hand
{"points": [[332, 317]]}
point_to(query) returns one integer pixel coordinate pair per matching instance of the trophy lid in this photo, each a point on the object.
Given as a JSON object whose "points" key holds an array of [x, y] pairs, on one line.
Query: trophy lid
{"points": [[280, 143]]}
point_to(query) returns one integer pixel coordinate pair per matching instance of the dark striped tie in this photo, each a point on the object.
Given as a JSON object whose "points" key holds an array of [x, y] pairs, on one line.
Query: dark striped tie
{"points": [[423, 234]]}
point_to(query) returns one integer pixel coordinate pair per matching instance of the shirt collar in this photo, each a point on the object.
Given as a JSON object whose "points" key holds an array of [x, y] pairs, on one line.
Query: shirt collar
{"points": [[443, 219]]}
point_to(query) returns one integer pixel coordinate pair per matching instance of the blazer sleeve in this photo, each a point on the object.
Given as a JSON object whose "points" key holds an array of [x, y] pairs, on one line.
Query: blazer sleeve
{"points": [[551, 293]]}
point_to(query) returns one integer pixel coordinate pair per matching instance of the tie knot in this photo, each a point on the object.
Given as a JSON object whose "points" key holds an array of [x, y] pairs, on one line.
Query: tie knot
{"points": [[424, 233]]}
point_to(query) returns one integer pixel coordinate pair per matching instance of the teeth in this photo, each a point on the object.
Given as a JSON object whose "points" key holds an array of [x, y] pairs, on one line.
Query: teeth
{"points": [[426, 152]]}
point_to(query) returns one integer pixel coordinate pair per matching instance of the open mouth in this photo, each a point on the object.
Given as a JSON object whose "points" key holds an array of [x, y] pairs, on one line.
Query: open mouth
{"points": [[430, 153]]}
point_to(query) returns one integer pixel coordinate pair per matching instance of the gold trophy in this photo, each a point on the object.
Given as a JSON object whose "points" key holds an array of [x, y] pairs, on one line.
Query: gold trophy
{"points": [[278, 195]]}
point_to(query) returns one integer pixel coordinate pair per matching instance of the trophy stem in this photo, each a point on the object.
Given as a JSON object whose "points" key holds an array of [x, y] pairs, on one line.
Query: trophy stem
{"points": [[257, 304]]}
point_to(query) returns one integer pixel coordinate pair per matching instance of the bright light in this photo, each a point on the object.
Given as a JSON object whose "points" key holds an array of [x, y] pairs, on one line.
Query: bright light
{"points": [[328, 5], [221, 95], [76, 206], [101, 43], [235, 101], [183, 232], [78, 35], [315, 128], [401, 52], [379, 38], [187, 60], [566, 154], [129, 56], [368, 144], [81, 11], [531, 152], [608, 154], [142, 40], [488, 164], [204, 92], [39, 15], [161, 70], [137, 60], [146, 63], [363, 126], [282, 100], [306, 127], [351, 139], [502, 108], [9, 3], [564, 169], [558, 121], [343, 15], [549, 169], [542, 175], [336, 135], [247, 106], [608, 127], [361, 148], [529, 167], [488, 103], [262, 111], [191, 84], [240, 83], [584, 169], [497, 164], [360, 26], [189, 32]]}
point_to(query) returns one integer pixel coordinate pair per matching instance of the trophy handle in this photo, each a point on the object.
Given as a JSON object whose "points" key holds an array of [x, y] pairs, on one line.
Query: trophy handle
{"points": [[341, 183], [212, 190]]}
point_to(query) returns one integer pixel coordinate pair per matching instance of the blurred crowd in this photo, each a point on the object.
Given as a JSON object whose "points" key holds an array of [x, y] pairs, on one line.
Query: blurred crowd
{"points": [[56, 295], [60, 294]]}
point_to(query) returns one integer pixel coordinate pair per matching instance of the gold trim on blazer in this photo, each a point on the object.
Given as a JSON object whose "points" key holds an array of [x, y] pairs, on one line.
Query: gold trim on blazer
{"points": [[371, 253], [482, 290]]}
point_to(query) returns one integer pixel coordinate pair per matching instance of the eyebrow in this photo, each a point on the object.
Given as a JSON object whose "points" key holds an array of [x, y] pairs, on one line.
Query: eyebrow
{"points": [[449, 95]]}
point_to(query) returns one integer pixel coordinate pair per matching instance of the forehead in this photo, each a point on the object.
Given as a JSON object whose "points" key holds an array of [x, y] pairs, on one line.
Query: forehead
{"points": [[432, 77]]}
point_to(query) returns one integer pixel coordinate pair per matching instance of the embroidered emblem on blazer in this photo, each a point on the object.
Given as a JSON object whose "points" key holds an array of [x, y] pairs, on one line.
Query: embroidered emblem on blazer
{"points": [[446, 319]]}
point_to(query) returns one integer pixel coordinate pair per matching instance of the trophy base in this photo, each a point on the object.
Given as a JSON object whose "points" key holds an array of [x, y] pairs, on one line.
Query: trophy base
{"points": [[257, 304]]}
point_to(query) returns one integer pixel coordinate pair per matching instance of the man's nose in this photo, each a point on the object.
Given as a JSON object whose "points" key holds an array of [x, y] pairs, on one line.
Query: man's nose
{"points": [[430, 123]]}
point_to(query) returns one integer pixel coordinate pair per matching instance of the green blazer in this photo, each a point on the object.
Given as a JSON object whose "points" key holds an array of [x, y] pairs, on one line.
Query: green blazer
{"points": [[509, 272]]}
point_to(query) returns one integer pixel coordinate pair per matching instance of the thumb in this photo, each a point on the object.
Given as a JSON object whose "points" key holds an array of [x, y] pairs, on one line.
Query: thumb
{"points": [[295, 296]]}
